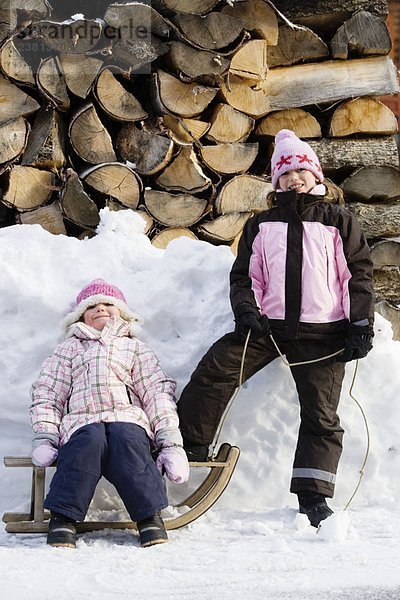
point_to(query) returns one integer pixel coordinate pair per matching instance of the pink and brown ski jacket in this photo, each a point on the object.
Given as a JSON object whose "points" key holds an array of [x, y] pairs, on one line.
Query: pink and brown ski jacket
{"points": [[103, 376], [306, 264]]}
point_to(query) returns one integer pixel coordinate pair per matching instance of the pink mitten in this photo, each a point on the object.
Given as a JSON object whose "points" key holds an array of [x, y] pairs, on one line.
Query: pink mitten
{"points": [[44, 455], [175, 463]]}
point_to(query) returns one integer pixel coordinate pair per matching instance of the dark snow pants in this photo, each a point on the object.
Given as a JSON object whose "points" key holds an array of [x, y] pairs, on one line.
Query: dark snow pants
{"points": [[318, 385], [118, 451]]}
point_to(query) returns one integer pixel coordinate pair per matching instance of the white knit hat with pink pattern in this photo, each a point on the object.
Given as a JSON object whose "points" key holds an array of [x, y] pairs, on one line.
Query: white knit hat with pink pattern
{"points": [[292, 153]]}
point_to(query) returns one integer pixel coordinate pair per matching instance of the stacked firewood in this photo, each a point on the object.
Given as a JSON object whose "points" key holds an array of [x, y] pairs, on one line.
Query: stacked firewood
{"points": [[170, 108]]}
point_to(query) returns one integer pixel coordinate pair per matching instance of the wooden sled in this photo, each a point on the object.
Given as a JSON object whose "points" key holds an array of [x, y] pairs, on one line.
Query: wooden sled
{"points": [[36, 521]]}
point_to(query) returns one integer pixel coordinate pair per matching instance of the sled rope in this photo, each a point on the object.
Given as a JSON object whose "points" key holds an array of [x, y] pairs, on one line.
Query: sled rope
{"points": [[288, 364], [240, 383], [303, 362], [368, 438]]}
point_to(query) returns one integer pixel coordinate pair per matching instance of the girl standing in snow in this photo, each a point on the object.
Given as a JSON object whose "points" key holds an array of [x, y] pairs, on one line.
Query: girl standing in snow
{"points": [[101, 403], [303, 273]]}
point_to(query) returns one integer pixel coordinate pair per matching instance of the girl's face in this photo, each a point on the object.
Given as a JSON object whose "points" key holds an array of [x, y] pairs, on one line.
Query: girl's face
{"points": [[97, 316], [299, 180]]}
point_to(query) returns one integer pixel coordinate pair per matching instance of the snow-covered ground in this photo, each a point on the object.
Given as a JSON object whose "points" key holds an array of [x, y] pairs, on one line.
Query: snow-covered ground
{"points": [[253, 543]]}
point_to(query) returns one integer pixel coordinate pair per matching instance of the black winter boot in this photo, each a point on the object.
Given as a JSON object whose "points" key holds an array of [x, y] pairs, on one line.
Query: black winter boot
{"points": [[152, 531], [314, 506], [62, 531]]}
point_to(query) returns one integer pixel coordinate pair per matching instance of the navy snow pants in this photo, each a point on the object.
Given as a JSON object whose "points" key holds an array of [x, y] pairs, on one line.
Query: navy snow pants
{"points": [[118, 451]]}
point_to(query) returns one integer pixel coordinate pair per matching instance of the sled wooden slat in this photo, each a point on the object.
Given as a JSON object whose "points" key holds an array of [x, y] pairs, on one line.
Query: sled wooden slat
{"points": [[220, 468], [211, 479]]}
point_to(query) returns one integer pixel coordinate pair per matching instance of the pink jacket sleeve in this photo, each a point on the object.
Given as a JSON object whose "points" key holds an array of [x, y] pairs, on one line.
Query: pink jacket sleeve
{"points": [[49, 394]]}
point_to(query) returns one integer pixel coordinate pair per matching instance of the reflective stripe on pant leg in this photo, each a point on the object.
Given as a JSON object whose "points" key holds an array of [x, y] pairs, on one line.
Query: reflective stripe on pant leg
{"points": [[319, 443]]}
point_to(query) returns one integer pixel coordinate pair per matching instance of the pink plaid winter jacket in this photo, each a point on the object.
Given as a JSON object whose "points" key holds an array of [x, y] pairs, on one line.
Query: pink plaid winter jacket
{"points": [[103, 376]]}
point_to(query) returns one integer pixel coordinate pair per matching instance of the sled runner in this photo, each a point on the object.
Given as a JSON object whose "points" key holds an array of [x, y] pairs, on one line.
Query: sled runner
{"points": [[220, 472]]}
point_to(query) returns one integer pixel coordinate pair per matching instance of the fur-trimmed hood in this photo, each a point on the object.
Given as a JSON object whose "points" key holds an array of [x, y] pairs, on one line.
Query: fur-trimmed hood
{"points": [[96, 292]]}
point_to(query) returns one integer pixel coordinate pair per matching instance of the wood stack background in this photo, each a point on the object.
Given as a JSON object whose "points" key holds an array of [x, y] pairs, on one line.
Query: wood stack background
{"points": [[170, 107]]}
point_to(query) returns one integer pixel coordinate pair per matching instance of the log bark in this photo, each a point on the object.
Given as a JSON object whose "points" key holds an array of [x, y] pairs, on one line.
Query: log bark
{"points": [[89, 138], [325, 16], [115, 100], [258, 17], [373, 184], [174, 210], [229, 125], [386, 254], [243, 193], [140, 34], [229, 159], [49, 217], [115, 180], [195, 7], [76, 204], [137, 56], [136, 21], [149, 153], [346, 153], [298, 120], [363, 115], [13, 139], [46, 143], [51, 82], [14, 102], [28, 188], [80, 36], [362, 35], [387, 286], [377, 221], [296, 46], [316, 83], [303, 85], [184, 174], [391, 312], [164, 237]]}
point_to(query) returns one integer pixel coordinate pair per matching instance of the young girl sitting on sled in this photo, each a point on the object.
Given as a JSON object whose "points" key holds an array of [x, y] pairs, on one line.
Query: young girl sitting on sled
{"points": [[303, 273], [101, 405]]}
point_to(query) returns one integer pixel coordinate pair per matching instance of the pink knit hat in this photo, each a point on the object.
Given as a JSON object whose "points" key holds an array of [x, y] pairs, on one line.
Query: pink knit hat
{"points": [[98, 291], [99, 287], [291, 153]]}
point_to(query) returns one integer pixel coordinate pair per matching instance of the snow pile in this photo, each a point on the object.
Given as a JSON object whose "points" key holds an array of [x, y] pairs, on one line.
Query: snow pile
{"points": [[254, 541]]}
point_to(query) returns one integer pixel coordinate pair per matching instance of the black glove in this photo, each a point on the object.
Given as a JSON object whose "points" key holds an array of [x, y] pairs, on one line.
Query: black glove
{"points": [[358, 342], [248, 317]]}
